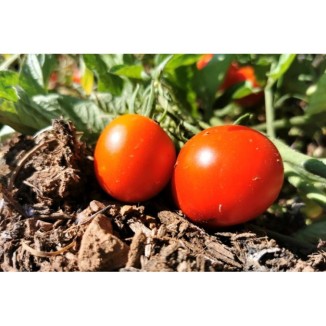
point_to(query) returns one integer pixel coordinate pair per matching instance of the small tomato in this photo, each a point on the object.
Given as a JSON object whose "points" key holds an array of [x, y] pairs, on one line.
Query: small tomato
{"points": [[76, 76], [133, 158], [236, 75], [227, 175], [203, 61]]}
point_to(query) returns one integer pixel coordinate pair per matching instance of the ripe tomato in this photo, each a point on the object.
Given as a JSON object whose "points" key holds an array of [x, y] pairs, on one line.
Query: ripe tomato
{"points": [[203, 61], [76, 76], [227, 175], [133, 158], [236, 75]]}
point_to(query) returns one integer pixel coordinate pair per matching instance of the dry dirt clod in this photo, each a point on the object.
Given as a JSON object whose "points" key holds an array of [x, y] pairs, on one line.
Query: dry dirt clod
{"points": [[100, 250], [137, 249]]}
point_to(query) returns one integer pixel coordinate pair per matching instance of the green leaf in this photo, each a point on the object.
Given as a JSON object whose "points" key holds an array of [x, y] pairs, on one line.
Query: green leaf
{"points": [[10, 116], [281, 67], [301, 75], [180, 84], [31, 114], [207, 81], [86, 115], [31, 76], [95, 62], [108, 82], [112, 59], [312, 168], [179, 60], [245, 89], [304, 185], [8, 79], [133, 71], [317, 100], [312, 233], [35, 68], [48, 63], [129, 59]]}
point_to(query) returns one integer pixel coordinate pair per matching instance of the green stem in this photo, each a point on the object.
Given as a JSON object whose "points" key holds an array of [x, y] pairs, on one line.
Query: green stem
{"points": [[285, 123], [133, 100], [294, 156], [242, 118], [269, 111], [304, 186], [151, 102], [9, 61]]}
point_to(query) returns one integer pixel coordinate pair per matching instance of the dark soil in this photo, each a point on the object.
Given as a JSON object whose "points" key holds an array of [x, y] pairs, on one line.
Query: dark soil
{"points": [[54, 217]]}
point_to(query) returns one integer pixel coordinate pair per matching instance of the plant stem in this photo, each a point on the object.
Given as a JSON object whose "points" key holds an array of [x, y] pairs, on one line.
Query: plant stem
{"points": [[9, 61], [284, 123], [294, 157], [269, 111], [151, 102], [305, 186]]}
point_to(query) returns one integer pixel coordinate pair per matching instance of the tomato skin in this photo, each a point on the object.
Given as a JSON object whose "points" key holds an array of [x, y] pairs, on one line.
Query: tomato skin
{"points": [[236, 75], [133, 158], [227, 175], [203, 61], [76, 76]]}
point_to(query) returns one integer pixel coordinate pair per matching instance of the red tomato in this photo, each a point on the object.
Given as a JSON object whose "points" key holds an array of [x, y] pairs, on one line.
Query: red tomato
{"points": [[236, 75], [76, 77], [53, 80], [227, 175], [133, 158], [203, 61]]}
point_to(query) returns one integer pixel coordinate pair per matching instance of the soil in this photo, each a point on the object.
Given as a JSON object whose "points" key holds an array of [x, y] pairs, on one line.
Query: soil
{"points": [[55, 217]]}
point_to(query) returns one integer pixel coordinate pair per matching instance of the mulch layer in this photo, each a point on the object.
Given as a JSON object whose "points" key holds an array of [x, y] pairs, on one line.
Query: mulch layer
{"points": [[54, 217]]}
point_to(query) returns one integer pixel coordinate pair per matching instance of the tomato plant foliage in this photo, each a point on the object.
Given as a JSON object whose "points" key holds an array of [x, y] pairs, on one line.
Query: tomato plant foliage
{"points": [[282, 95]]}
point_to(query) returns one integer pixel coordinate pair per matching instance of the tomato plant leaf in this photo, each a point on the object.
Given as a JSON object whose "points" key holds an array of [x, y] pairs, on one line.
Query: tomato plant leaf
{"points": [[317, 100], [30, 114], [179, 60], [129, 59], [132, 71], [8, 79], [245, 89], [206, 81], [95, 62], [108, 82], [31, 77], [281, 67], [20, 115], [47, 63], [179, 82], [11, 115], [85, 114], [312, 233]]}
